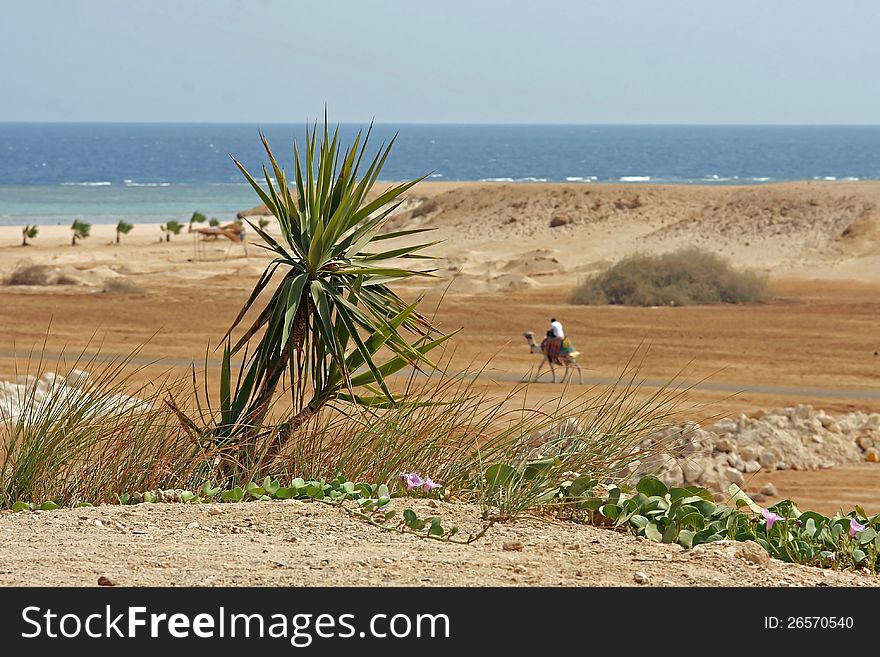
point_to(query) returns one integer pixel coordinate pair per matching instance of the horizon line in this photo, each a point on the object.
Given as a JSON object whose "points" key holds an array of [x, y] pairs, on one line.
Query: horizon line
{"points": [[447, 123]]}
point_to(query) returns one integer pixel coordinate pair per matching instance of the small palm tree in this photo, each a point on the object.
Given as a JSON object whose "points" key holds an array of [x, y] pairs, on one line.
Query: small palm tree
{"points": [[263, 223], [214, 223], [196, 218], [80, 230], [332, 311], [28, 232], [169, 227], [122, 228]]}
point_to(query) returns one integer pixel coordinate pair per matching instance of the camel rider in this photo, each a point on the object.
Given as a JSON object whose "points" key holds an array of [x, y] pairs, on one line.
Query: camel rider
{"points": [[557, 332]]}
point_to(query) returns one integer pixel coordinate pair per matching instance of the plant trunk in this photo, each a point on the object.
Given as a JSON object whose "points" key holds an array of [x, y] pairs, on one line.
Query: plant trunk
{"points": [[117, 237], [167, 237], [73, 241], [287, 430], [24, 241]]}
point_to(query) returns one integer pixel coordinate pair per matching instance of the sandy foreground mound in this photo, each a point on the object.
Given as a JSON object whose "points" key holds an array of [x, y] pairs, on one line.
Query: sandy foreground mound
{"points": [[27, 273], [293, 543]]}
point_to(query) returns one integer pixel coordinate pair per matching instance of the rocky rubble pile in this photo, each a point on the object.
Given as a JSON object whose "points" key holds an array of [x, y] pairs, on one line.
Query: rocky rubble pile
{"points": [[30, 398], [798, 438]]}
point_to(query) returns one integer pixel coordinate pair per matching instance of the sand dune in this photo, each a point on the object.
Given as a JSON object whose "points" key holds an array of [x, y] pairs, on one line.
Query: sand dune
{"points": [[498, 236], [513, 236]]}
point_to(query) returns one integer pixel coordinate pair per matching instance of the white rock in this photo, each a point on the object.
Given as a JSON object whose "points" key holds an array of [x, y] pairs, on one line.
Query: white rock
{"points": [[768, 459], [726, 426], [724, 445], [692, 469], [733, 476], [673, 477]]}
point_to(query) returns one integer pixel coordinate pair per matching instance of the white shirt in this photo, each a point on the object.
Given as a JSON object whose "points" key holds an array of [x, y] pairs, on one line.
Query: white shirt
{"points": [[556, 327]]}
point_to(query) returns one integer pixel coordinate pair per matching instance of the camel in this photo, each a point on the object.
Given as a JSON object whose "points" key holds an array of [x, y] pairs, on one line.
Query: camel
{"points": [[569, 360]]}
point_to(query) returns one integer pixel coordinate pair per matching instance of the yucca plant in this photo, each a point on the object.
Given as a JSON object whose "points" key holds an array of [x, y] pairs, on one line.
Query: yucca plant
{"points": [[28, 232], [80, 230], [122, 228], [332, 310]]}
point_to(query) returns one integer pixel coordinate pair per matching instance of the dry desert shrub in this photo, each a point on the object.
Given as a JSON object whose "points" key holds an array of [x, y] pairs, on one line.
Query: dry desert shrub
{"points": [[681, 278], [122, 285], [425, 207], [26, 273]]}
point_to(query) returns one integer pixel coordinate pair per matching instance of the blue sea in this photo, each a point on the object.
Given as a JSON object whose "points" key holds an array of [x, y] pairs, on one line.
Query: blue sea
{"points": [[53, 173]]}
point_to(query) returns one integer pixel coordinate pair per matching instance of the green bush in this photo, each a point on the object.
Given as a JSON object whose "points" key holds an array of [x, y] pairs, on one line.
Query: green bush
{"points": [[681, 278], [688, 516]]}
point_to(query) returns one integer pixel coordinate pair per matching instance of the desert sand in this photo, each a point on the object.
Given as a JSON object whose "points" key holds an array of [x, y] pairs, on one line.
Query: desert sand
{"points": [[509, 256]]}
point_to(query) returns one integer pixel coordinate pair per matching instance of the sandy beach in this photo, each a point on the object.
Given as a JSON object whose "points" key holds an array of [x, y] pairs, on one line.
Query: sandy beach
{"points": [[508, 257]]}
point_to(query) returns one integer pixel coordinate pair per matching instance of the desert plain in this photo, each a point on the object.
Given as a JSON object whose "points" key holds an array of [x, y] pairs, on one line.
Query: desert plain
{"points": [[507, 259]]}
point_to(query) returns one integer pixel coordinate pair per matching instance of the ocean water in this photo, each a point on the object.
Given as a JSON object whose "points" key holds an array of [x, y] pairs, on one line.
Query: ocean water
{"points": [[53, 173]]}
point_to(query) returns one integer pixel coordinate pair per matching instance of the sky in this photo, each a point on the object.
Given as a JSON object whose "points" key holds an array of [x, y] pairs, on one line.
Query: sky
{"points": [[449, 61]]}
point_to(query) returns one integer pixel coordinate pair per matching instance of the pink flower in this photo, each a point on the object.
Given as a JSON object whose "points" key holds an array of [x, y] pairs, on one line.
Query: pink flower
{"points": [[770, 517], [412, 480], [430, 485], [855, 528]]}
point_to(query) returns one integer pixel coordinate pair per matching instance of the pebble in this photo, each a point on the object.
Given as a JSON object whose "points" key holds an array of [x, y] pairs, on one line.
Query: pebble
{"points": [[733, 476], [753, 552], [769, 490], [723, 445], [640, 578], [768, 460], [512, 546], [751, 466]]}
